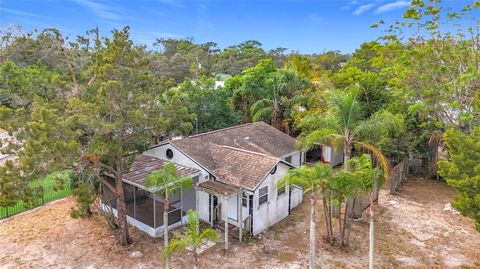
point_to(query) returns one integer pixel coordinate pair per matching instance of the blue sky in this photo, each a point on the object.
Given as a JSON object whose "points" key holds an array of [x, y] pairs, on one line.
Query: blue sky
{"points": [[304, 26]]}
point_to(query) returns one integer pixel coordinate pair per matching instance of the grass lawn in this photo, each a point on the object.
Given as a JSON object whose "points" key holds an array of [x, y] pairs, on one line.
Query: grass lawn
{"points": [[46, 190]]}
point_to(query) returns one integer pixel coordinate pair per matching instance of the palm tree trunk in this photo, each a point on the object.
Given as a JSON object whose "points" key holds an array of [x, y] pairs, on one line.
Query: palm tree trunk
{"points": [[325, 209], [345, 222], [196, 264], [340, 220], [347, 152], [313, 239], [330, 219], [165, 228], [121, 206]]}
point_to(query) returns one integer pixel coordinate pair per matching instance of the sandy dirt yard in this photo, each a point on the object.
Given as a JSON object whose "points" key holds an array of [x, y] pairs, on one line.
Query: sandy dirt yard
{"points": [[412, 231]]}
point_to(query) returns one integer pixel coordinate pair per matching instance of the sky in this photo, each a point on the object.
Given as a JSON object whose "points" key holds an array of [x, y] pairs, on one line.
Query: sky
{"points": [[311, 26]]}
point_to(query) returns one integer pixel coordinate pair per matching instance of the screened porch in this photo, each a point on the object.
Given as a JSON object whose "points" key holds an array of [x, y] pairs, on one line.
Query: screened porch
{"points": [[144, 208]]}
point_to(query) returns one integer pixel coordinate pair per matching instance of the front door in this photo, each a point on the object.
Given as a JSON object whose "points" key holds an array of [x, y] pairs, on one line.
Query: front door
{"points": [[215, 214]]}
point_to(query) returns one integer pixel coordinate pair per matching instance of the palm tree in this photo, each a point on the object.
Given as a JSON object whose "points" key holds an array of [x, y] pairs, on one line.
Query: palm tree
{"points": [[284, 89], [344, 125], [164, 183], [313, 179], [372, 180], [192, 239]]}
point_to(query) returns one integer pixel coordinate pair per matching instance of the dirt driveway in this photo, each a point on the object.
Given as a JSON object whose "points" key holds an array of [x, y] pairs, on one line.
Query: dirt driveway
{"points": [[412, 231]]}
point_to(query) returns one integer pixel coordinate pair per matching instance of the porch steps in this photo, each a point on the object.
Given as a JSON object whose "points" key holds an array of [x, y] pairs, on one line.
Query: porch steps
{"points": [[232, 229]]}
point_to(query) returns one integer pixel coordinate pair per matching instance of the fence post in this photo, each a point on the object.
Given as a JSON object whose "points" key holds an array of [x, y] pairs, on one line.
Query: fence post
{"points": [[6, 208], [43, 199]]}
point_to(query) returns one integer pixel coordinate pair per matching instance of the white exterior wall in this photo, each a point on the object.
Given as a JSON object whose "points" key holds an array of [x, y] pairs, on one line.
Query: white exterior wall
{"points": [[276, 208], [296, 162], [336, 156], [180, 158]]}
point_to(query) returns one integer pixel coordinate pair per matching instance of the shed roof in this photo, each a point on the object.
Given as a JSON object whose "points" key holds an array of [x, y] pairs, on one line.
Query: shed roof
{"points": [[143, 165], [218, 188]]}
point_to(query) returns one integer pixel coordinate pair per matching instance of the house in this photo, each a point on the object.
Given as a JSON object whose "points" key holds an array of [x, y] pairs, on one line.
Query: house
{"points": [[235, 172]]}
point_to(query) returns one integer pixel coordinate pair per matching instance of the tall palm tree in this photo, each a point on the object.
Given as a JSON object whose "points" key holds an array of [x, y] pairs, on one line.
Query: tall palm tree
{"points": [[165, 183], [344, 124], [191, 240], [283, 90], [372, 179], [313, 179]]}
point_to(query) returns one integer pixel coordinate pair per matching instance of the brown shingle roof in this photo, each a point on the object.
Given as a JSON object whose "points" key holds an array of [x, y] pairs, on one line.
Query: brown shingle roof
{"points": [[216, 187], [240, 167], [257, 137], [242, 155], [143, 165]]}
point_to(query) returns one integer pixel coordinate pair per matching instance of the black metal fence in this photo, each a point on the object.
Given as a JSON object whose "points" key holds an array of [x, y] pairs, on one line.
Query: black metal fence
{"points": [[44, 191]]}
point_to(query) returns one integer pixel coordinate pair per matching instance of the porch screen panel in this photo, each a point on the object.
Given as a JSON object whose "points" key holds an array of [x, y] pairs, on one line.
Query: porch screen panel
{"points": [[144, 207], [174, 210], [129, 192], [109, 197]]}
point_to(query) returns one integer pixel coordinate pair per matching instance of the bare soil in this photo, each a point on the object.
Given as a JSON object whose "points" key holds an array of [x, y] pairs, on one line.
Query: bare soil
{"points": [[412, 231]]}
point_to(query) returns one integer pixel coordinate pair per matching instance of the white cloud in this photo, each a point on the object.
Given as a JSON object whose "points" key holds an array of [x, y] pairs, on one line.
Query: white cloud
{"points": [[362, 9], [392, 6], [99, 9]]}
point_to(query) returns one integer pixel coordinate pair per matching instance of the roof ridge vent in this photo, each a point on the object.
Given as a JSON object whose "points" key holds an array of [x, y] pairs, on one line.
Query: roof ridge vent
{"points": [[244, 150]]}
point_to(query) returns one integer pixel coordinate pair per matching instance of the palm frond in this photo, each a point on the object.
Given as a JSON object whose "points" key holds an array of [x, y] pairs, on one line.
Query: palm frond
{"points": [[320, 137], [382, 122], [379, 157]]}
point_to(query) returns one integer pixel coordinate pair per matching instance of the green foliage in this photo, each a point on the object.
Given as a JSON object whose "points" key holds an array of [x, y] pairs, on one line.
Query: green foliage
{"points": [[312, 178], [210, 106], [462, 171], [166, 181], [344, 123], [84, 195], [192, 238]]}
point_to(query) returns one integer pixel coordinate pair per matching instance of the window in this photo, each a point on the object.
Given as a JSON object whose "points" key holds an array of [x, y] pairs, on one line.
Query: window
{"points": [[280, 191], [288, 159], [263, 195], [169, 153], [244, 200]]}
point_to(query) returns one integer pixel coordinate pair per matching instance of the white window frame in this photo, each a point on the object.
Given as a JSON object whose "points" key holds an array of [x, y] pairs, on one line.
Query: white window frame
{"points": [[260, 195]]}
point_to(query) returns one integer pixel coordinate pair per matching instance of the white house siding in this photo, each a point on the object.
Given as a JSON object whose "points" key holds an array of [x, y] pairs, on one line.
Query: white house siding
{"points": [[333, 156], [296, 196], [276, 208], [297, 158], [180, 158], [336, 156]]}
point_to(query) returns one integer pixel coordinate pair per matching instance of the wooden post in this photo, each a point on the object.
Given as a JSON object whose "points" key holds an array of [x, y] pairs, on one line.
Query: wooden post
{"points": [[197, 193], [225, 217], [211, 210], [239, 215]]}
